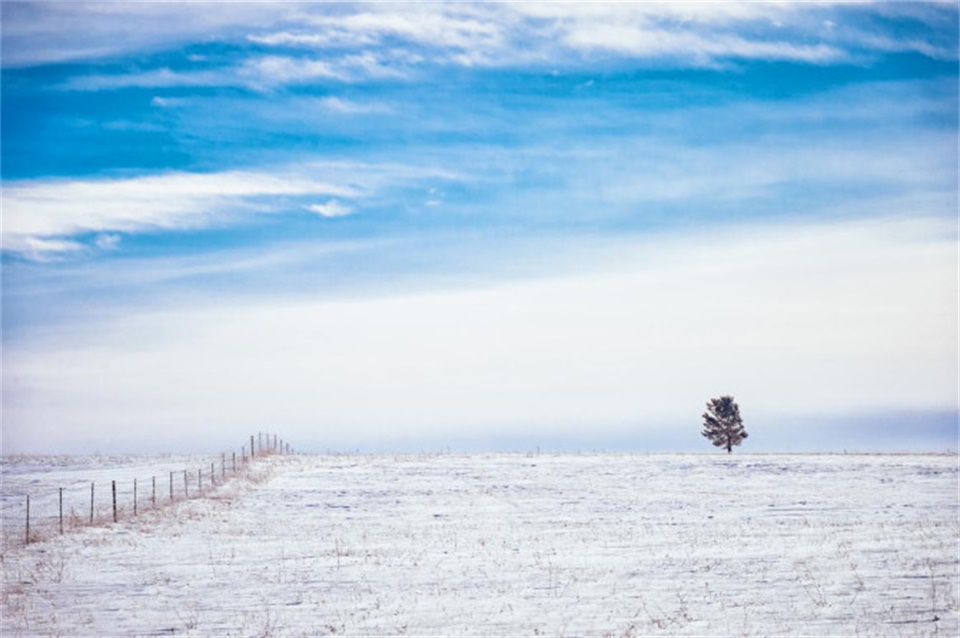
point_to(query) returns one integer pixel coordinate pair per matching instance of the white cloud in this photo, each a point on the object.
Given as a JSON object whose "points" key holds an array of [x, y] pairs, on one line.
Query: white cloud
{"points": [[350, 107], [821, 318], [471, 34], [37, 213], [332, 37], [267, 72], [42, 249], [260, 73], [274, 70], [107, 241], [332, 208], [644, 42], [40, 33], [156, 78], [39, 216]]}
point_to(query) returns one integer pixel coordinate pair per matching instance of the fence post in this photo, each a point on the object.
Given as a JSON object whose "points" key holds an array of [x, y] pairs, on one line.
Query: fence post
{"points": [[28, 520], [61, 511], [223, 464], [91, 502], [114, 488], [153, 495], [171, 487], [253, 450], [186, 492], [213, 476], [199, 481], [134, 497]]}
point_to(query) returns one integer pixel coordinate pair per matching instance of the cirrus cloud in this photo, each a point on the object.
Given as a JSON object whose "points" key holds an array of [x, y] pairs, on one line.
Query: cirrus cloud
{"points": [[38, 214], [332, 208], [469, 34]]}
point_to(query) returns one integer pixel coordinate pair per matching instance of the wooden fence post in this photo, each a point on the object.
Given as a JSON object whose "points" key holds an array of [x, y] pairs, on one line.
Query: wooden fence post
{"points": [[91, 502], [153, 495], [252, 449], [28, 520], [199, 481], [134, 497], [213, 476], [186, 492], [61, 511], [223, 464], [114, 488], [171, 487]]}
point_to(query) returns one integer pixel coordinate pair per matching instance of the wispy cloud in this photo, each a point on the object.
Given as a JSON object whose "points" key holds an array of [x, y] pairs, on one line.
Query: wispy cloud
{"points": [[642, 42], [107, 241], [154, 78], [352, 107], [258, 73], [40, 216], [332, 208], [271, 71], [44, 33], [697, 33], [472, 34], [39, 213]]}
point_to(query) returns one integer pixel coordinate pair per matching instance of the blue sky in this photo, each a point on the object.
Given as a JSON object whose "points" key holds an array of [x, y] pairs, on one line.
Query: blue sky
{"points": [[420, 226]]}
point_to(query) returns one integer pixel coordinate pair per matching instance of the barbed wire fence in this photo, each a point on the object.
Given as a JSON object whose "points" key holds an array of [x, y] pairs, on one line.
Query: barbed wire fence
{"points": [[36, 514]]}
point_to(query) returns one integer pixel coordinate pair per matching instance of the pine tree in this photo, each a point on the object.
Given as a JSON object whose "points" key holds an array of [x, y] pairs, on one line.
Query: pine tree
{"points": [[722, 423]]}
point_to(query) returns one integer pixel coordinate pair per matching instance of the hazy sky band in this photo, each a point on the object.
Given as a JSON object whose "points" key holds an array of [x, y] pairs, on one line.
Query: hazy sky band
{"points": [[440, 222]]}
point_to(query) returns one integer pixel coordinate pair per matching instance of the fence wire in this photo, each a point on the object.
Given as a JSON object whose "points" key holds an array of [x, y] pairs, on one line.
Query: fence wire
{"points": [[44, 496]]}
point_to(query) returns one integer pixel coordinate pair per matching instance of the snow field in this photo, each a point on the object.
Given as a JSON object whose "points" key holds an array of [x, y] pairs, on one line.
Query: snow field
{"points": [[513, 544]]}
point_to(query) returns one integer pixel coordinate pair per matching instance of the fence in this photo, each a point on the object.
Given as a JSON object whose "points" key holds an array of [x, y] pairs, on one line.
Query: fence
{"points": [[48, 510]]}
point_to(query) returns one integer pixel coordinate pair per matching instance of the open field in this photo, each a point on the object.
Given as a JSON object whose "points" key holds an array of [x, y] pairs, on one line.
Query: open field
{"points": [[511, 544]]}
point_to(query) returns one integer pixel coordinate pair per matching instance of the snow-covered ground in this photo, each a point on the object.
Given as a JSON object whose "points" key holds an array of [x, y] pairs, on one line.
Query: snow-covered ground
{"points": [[514, 544]]}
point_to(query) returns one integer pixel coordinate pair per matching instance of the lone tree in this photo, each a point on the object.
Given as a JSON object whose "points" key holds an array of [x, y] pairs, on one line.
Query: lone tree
{"points": [[722, 423]]}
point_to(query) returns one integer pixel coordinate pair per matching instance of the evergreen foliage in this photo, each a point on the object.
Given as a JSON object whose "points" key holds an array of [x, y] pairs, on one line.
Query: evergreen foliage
{"points": [[722, 423]]}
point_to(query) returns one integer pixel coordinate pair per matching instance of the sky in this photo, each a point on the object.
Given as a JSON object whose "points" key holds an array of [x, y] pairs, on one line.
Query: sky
{"points": [[423, 226]]}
